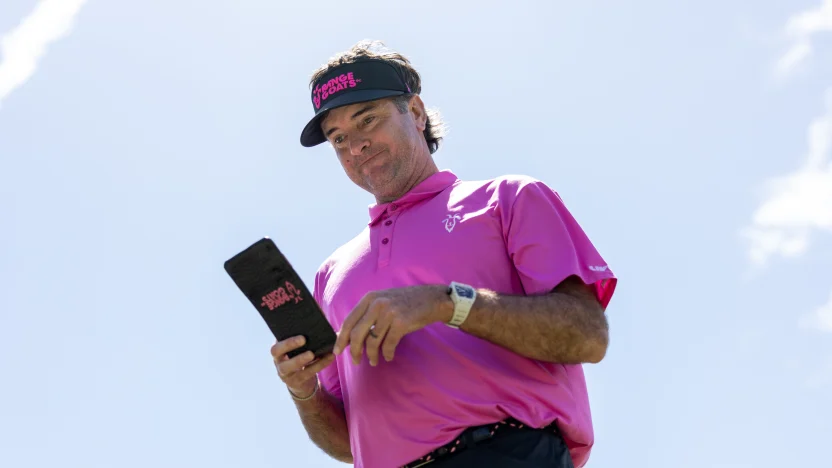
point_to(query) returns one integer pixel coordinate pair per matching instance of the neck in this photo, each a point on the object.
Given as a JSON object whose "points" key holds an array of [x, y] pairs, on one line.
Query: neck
{"points": [[428, 169]]}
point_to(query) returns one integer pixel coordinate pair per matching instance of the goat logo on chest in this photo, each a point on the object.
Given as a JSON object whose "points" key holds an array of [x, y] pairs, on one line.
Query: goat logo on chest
{"points": [[450, 221]]}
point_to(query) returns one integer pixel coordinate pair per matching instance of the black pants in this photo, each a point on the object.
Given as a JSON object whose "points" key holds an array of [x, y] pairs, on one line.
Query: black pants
{"points": [[525, 448]]}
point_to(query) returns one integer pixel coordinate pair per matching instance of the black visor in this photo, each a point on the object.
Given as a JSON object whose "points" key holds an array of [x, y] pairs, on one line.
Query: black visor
{"points": [[364, 80]]}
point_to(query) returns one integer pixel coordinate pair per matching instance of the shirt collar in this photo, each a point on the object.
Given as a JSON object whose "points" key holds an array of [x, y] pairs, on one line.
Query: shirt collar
{"points": [[426, 189]]}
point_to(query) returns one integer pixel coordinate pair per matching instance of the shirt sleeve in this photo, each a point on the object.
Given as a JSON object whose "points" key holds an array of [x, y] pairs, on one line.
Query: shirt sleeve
{"points": [[547, 245], [329, 377]]}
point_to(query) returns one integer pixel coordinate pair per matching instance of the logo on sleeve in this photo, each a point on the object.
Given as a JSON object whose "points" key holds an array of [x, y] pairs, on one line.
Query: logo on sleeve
{"points": [[598, 268]]}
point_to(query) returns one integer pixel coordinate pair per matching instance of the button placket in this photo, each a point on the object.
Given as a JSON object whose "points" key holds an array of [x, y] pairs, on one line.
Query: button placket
{"points": [[386, 239]]}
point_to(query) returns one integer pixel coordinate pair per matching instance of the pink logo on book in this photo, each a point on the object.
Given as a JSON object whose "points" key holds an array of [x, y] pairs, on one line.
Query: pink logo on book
{"points": [[281, 296], [334, 85]]}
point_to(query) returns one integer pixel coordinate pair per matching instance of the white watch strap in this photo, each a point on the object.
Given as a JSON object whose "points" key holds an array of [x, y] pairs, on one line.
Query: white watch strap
{"points": [[463, 297]]}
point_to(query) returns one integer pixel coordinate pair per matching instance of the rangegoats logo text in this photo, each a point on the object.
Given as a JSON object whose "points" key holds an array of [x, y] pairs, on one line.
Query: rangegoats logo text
{"points": [[339, 83], [280, 296]]}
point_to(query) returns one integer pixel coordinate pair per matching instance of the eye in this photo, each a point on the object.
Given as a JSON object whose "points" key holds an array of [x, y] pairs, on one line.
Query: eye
{"points": [[338, 140], [369, 119]]}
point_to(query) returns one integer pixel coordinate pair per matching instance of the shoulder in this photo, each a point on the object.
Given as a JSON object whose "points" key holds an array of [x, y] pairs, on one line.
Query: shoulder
{"points": [[504, 184], [515, 184], [504, 190]]}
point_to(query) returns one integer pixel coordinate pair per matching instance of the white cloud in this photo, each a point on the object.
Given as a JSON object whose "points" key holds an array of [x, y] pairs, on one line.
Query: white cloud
{"points": [[799, 31], [796, 204], [23, 46], [820, 319]]}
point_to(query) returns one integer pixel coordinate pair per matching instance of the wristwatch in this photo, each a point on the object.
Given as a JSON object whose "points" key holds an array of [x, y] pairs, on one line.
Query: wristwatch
{"points": [[463, 297]]}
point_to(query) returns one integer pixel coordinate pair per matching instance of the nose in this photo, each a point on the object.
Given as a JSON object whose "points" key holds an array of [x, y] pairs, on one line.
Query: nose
{"points": [[358, 145]]}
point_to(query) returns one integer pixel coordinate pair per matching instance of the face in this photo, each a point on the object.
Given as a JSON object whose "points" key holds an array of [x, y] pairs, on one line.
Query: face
{"points": [[381, 149]]}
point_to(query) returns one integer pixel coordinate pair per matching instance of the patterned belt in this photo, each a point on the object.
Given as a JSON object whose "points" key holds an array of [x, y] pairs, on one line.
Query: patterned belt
{"points": [[473, 436]]}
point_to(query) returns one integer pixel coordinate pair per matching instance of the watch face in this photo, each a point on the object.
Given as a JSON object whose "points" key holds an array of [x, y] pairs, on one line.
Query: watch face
{"points": [[462, 291]]}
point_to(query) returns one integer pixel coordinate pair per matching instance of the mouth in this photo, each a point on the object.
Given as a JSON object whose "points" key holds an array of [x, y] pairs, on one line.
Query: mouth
{"points": [[370, 159]]}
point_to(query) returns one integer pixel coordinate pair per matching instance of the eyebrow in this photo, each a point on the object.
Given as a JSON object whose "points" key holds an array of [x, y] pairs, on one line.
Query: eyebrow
{"points": [[357, 113]]}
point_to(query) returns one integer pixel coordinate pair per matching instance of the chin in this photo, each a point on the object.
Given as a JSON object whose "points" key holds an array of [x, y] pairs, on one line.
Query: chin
{"points": [[382, 191]]}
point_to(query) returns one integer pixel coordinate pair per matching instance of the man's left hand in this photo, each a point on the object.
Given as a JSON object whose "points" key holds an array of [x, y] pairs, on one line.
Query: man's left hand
{"points": [[382, 318]]}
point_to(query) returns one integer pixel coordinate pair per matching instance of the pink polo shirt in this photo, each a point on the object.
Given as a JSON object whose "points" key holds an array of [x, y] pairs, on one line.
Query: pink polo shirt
{"points": [[512, 235]]}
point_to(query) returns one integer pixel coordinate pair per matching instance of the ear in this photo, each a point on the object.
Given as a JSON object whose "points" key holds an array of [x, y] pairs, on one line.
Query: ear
{"points": [[417, 110]]}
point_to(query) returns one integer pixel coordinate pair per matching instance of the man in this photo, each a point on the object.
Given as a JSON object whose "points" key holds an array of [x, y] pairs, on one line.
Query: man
{"points": [[464, 309]]}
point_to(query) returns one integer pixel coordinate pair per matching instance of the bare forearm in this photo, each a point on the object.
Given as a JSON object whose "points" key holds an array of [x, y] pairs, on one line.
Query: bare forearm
{"points": [[557, 327], [325, 422]]}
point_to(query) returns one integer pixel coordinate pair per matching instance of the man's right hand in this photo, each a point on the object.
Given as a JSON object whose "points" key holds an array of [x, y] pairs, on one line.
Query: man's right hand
{"points": [[300, 372]]}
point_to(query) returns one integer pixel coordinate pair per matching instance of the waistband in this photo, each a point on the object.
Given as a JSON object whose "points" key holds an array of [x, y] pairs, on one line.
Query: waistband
{"points": [[472, 436]]}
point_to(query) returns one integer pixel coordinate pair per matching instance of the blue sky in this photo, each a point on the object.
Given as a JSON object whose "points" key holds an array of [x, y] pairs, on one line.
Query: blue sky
{"points": [[144, 143]]}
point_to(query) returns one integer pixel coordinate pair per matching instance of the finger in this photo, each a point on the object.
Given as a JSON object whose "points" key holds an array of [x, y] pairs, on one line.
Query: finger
{"points": [[286, 369], [376, 335], [310, 371], [391, 341], [281, 348], [319, 365], [352, 318], [277, 362], [361, 330]]}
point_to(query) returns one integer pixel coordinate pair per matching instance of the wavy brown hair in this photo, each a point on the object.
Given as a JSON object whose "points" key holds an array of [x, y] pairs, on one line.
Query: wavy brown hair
{"points": [[435, 128]]}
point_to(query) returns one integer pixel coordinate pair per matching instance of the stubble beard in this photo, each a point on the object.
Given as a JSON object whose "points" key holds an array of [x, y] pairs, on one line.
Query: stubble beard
{"points": [[396, 180], [390, 185]]}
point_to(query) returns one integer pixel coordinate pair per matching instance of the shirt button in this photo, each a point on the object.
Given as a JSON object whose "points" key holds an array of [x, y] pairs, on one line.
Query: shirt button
{"points": [[393, 207], [385, 240], [388, 222]]}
